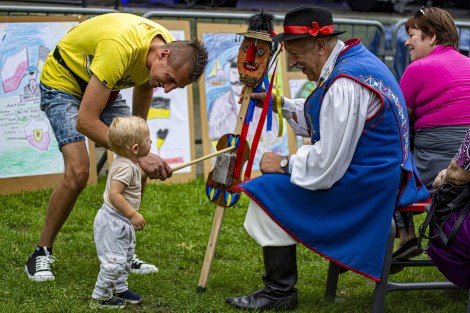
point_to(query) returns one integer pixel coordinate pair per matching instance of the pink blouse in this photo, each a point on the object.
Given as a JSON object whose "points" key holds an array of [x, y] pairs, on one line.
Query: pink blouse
{"points": [[437, 89]]}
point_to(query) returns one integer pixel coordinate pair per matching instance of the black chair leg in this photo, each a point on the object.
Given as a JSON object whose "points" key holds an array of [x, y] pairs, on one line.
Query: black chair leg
{"points": [[332, 281], [381, 287], [468, 302], [385, 286]]}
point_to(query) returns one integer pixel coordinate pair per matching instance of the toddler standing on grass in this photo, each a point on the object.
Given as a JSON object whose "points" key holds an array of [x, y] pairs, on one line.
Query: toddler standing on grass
{"points": [[115, 222]]}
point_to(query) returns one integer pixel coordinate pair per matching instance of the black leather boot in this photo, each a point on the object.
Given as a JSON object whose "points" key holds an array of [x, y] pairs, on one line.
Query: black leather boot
{"points": [[278, 292]]}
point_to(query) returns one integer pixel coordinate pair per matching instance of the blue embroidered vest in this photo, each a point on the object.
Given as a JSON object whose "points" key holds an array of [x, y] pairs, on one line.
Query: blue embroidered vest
{"points": [[393, 101]]}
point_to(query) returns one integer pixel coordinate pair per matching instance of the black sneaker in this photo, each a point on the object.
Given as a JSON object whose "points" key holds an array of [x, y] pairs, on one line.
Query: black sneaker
{"points": [[140, 267], [111, 303], [409, 250], [38, 266], [129, 296]]}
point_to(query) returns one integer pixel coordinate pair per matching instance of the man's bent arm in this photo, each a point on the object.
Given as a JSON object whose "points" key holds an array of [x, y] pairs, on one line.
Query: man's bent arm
{"points": [[293, 112], [93, 102], [141, 100]]}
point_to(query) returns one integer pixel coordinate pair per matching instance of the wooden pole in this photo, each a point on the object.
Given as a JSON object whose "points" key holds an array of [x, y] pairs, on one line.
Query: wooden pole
{"points": [[210, 250], [220, 211], [176, 168]]}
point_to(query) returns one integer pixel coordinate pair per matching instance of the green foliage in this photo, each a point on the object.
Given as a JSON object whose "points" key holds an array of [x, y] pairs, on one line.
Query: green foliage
{"points": [[179, 220]]}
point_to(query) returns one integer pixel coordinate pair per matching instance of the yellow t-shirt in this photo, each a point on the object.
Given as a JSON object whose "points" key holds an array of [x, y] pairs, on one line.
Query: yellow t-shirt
{"points": [[111, 46]]}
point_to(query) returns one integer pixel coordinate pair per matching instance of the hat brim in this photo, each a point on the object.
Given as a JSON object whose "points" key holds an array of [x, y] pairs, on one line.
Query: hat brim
{"points": [[256, 35], [285, 37]]}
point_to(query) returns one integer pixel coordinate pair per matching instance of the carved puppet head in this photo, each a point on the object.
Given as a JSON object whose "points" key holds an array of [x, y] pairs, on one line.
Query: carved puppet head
{"points": [[256, 49]]}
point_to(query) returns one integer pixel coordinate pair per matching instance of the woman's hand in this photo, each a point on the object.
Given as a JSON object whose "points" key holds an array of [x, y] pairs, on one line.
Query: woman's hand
{"points": [[439, 180], [456, 175]]}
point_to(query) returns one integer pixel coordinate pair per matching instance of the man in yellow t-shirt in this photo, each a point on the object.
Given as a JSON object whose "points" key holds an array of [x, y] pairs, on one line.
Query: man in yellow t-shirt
{"points": [[79, 86]]}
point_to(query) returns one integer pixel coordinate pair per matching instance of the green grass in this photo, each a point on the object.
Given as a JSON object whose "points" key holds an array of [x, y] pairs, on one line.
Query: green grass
{"points": [[179, 219]]}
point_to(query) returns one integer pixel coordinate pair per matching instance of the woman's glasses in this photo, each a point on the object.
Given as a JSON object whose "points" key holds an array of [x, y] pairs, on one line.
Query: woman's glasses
{"points": [[420, 12]]}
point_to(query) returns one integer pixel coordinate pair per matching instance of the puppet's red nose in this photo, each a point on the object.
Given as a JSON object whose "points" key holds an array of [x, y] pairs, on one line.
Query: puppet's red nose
{"points": [[250, 55]]}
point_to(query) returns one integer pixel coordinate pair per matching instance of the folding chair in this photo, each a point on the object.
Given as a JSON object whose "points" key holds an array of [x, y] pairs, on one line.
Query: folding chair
{"points": [[384, 286]]}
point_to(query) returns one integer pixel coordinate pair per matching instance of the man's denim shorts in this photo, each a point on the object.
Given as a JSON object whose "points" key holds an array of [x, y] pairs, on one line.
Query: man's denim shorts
{"points": [[61, 109]]}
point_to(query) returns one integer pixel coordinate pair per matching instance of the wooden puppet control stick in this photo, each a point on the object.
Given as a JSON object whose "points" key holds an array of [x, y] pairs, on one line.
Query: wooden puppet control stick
{"points": [[176, 168], [220, 211], [254, 56]]}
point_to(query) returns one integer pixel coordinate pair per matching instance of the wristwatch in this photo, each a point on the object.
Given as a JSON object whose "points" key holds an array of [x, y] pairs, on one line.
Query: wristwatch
{"points": [[285, 164]]}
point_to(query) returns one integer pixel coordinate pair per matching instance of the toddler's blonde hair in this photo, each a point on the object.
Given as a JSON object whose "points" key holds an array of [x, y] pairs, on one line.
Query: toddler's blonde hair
{"points": [[125, 131]]}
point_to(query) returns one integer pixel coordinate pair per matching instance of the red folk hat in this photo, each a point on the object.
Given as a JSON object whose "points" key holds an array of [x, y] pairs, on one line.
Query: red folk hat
{"points": [[306, 21]]}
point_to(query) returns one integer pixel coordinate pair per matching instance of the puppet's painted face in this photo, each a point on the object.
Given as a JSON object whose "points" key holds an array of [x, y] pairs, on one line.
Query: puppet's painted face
{"points": [[253, 59]]}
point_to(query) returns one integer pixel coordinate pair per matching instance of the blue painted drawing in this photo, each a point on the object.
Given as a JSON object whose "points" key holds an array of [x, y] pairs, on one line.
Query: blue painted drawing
{"points": [[27, 145]]}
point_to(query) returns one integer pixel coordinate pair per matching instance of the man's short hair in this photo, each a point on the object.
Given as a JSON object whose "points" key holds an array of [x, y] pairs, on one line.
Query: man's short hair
{"points": [[188, 51]]}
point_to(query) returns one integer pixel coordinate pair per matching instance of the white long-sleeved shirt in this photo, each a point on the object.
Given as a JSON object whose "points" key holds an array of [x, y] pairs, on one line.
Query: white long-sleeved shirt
{"points": [[344, 110]]}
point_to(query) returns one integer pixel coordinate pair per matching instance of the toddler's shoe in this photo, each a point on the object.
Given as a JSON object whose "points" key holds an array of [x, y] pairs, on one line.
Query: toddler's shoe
{"points": [[129, 296], [111, 303]]}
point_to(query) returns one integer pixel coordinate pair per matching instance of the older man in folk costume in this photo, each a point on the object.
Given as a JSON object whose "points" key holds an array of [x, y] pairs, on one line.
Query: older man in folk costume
{"points": [[337, 195]]}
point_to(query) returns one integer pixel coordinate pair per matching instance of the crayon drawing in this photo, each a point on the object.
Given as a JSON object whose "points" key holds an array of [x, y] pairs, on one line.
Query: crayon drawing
{"points": [[27, 144]]}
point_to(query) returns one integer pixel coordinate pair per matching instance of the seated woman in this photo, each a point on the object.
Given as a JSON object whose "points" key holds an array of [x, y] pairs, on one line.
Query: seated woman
{"points": [[453, 259], [436, 87]]}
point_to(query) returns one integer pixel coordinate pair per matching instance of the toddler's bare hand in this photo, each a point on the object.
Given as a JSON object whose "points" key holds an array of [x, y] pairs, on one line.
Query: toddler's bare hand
{"points": [[138, 221]]}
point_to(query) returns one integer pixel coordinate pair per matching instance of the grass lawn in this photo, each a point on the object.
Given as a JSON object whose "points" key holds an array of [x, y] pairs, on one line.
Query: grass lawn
{"points": [[179, 219]]}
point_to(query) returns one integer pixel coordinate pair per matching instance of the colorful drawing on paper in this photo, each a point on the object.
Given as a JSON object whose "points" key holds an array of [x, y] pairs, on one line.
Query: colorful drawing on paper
{"points": [[159, 108], [162, 133], [27, 144], [223, 89]]}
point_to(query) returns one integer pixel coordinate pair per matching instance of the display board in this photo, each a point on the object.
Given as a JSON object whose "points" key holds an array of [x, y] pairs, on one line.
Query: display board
{"points": [[220, 91], [29, 155], [170, 119]]}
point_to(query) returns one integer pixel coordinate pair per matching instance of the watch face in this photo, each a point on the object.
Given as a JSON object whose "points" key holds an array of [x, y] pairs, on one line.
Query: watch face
{"points": [[283, 162]]}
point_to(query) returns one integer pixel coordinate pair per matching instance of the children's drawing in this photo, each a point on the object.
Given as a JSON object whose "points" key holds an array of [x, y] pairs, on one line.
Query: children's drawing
{"points": [[161, 136], [27, 145]]}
